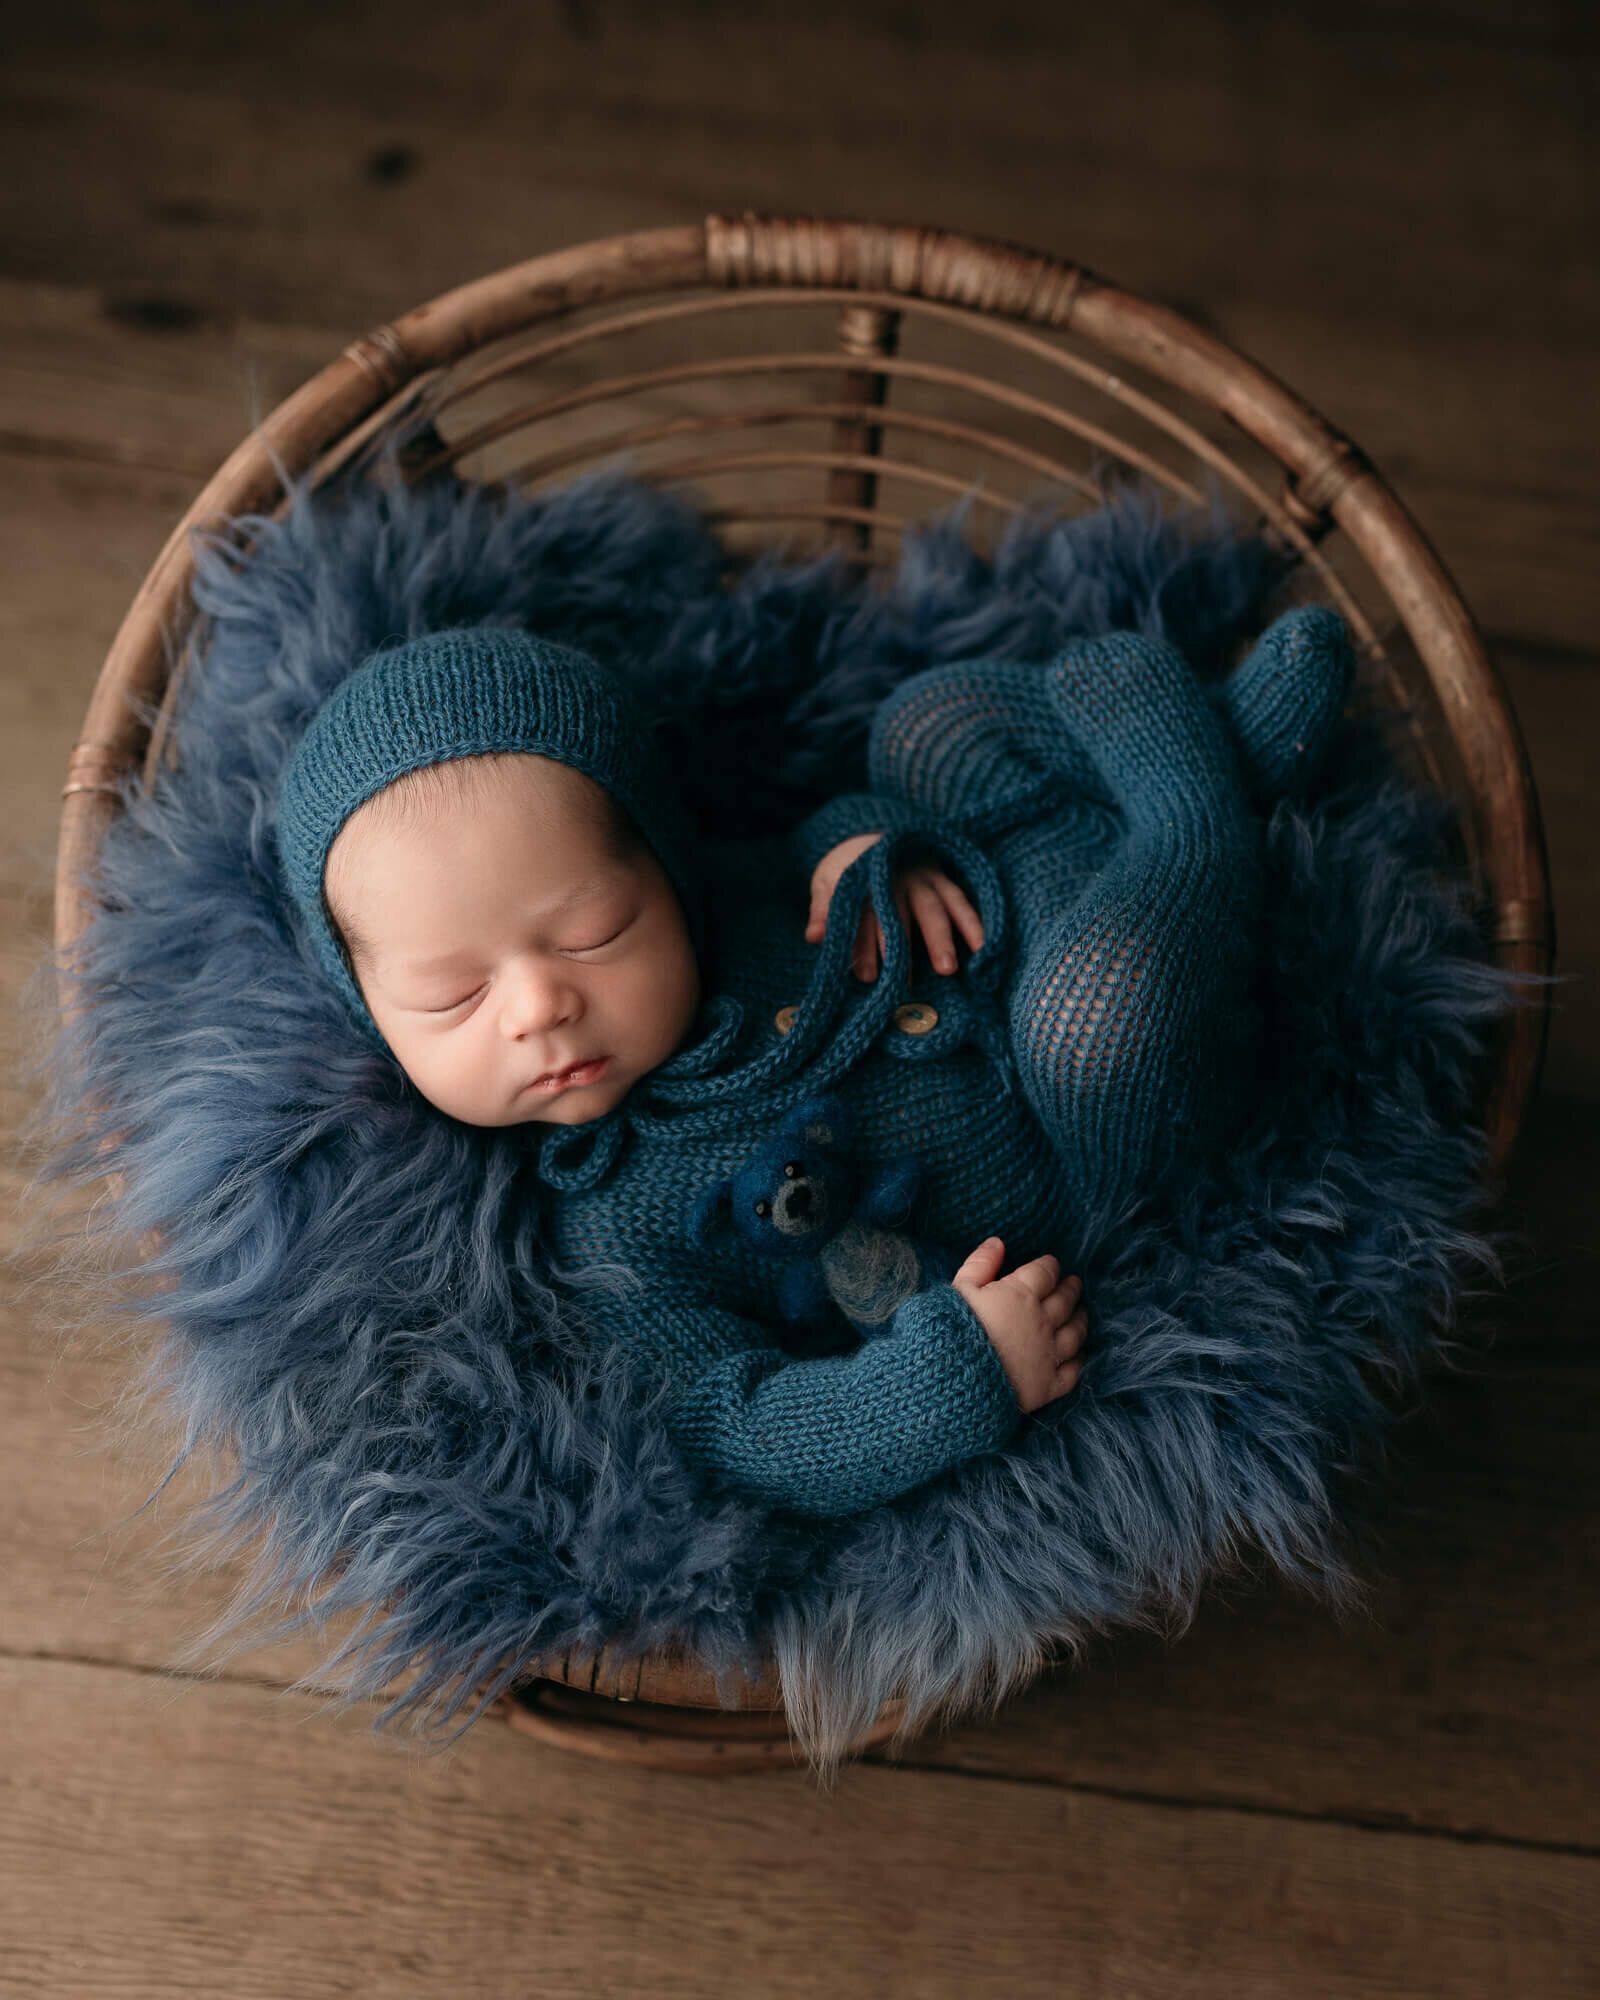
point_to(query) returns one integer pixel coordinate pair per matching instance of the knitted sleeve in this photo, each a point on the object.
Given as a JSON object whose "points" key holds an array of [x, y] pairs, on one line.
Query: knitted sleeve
{"points": [[841, 1433]]}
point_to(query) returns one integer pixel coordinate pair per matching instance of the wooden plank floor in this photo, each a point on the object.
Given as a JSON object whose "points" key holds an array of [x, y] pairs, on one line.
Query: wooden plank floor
{"points": [[1394, 210]]}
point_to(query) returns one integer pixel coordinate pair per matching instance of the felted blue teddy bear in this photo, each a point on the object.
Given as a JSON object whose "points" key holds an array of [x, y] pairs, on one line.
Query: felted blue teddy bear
{"points": [[800, 1199]]}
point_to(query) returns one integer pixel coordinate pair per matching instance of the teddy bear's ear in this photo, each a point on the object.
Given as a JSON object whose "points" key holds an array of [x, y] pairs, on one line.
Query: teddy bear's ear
{"points": [[825, 1121], [714, 1206]]}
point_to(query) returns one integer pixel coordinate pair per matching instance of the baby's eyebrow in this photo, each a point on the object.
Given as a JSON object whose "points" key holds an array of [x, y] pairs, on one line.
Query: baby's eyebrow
{"points": [[444, 962], [580, 892]]}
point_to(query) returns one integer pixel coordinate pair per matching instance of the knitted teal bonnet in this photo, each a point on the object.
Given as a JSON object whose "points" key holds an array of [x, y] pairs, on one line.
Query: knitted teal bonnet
{"points": [[469, 693]]}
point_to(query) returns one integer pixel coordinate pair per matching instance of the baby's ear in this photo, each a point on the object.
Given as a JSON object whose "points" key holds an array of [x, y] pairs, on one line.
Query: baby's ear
{"points": [[714, 1206]]}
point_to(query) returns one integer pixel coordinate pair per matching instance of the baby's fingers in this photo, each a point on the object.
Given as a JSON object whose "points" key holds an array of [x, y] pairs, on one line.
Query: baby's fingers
{"points": [[1066, 1380], [1041, 1276], [870, 947], [955, 901], [1065, 1298], [982, 1264], [1071, 1335], [937, 900], [934, 921], [823, 884]]}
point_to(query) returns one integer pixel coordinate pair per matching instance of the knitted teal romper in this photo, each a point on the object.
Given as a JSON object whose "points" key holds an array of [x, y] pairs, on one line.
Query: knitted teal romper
{"points": [[1104, 813]]}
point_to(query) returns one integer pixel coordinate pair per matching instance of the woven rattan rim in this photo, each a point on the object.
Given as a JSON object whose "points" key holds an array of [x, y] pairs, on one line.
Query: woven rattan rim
{"points": [[1327, 480]]}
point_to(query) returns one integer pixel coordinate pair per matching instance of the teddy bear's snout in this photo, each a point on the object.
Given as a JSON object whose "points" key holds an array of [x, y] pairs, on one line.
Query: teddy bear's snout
{"points": [[800, 1206]]}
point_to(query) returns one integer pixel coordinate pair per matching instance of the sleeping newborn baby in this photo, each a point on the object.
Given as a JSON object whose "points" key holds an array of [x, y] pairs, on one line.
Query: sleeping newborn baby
{"points": [[526, 960], [494, 870]]}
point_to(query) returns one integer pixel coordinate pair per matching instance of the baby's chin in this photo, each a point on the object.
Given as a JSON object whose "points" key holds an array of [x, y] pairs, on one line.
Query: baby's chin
{"points": [[566, 1113]]}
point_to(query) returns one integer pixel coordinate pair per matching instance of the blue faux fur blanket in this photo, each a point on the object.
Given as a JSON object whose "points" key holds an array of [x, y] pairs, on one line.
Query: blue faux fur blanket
{"points": [[352, 1305]]}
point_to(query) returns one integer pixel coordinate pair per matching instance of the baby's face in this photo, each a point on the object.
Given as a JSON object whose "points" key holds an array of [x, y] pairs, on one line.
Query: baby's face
{"points": [[498, 938]]}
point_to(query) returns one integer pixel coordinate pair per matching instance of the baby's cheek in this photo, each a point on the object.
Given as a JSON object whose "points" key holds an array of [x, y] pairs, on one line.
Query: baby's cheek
{"points": [[668, 1001], [438, 1070]]}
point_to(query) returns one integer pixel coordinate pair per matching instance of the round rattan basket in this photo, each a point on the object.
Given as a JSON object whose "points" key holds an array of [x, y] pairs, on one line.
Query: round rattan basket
{"points": [[821, 381]]}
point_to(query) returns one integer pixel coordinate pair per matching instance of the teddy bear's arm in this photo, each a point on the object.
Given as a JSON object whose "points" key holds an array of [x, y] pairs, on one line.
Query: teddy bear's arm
{"points": [[888, 1195]]}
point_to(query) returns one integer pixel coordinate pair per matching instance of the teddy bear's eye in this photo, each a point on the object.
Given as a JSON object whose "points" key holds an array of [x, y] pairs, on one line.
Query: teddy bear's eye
{"points": [[794, 1167], [763, 1208]]}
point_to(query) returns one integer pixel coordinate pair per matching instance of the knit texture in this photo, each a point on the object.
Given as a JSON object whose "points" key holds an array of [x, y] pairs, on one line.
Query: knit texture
{"points": [[352, 1301]]}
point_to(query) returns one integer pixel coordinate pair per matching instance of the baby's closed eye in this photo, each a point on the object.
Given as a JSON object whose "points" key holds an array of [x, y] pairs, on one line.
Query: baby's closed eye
{"points": [[448, 1006], [572, 949], [567, 951]]}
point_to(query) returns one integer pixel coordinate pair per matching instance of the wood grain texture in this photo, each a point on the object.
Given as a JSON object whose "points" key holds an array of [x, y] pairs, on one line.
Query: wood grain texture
{"points": [[503, 1868], [1397, 296], [1207, 142]]}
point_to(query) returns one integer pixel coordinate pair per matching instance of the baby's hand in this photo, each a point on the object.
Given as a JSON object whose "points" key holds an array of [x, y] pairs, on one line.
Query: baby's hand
{"points": [[1035, 1319], [935, 898]]}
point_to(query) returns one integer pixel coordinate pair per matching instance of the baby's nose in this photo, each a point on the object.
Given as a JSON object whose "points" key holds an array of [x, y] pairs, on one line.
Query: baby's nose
{"points": [[533, 1001]]}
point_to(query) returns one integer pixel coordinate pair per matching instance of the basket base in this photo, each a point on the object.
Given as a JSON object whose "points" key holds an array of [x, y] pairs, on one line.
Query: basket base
{"points": [[657, 1737]]}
